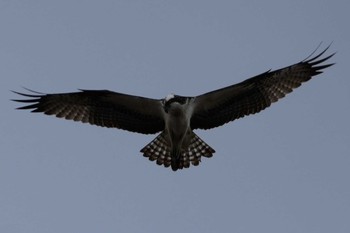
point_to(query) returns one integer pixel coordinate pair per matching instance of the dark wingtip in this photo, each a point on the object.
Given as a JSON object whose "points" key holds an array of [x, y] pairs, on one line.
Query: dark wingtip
{"points": [[33, 98], [313, 59], [34, 95]]}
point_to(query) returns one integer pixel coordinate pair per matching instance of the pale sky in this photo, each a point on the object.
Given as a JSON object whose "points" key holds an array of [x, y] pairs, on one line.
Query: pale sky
{"points": [[285, 169]]}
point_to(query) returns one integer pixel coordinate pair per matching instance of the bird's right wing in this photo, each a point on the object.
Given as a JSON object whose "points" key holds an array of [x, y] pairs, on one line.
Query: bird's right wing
{"points": [[101, 107]]}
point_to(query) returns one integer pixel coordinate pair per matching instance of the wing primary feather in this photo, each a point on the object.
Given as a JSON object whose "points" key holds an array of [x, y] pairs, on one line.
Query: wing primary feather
{"points": [[313, 63], [310, 60]]}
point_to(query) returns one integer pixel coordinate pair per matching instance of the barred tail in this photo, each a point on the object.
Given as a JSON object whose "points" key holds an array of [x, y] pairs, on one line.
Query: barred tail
{"points": [[160, 150]]}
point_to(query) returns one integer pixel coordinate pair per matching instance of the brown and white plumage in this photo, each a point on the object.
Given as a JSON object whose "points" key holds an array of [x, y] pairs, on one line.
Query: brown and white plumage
{"points": [[177, 116]]}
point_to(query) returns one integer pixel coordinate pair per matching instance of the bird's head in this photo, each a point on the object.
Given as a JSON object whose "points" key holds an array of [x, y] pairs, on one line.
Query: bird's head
{"points": [[172, 100], [167, 102]]}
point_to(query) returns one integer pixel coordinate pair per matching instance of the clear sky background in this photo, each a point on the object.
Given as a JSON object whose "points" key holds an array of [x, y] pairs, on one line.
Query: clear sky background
{"points": [[285, 169]]}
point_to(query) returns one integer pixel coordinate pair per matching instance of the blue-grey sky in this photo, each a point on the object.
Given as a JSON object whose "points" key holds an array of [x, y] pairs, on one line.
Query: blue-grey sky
{"points": [[285, 169]]}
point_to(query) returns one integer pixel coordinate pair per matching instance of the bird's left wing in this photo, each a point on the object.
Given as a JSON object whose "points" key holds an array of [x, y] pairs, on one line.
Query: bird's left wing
{"points": [[253, 95], [101, 107]]}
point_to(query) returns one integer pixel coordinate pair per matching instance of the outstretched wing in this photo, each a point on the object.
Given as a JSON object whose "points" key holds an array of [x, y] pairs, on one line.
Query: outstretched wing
{"points": [[253, 95], [102, 108]]}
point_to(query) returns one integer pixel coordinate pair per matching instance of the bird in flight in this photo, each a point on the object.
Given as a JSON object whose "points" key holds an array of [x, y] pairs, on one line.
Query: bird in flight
{"points": [[175, 116]]}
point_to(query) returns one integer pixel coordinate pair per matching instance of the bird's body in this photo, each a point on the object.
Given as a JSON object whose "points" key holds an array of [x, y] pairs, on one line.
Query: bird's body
{"points": [[177, 116], [177, 145], [177, 126]]}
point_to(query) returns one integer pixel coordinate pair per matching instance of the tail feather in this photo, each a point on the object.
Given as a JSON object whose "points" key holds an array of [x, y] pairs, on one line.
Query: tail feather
{"points": [[160, 150]]}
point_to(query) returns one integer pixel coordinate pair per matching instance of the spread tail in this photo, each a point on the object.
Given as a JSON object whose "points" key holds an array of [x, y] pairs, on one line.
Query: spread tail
{"points": [[160, 150]]}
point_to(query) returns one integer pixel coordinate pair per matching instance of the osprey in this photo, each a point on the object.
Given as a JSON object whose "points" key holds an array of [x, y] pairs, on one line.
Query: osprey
{"points": [[175, 117]]}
